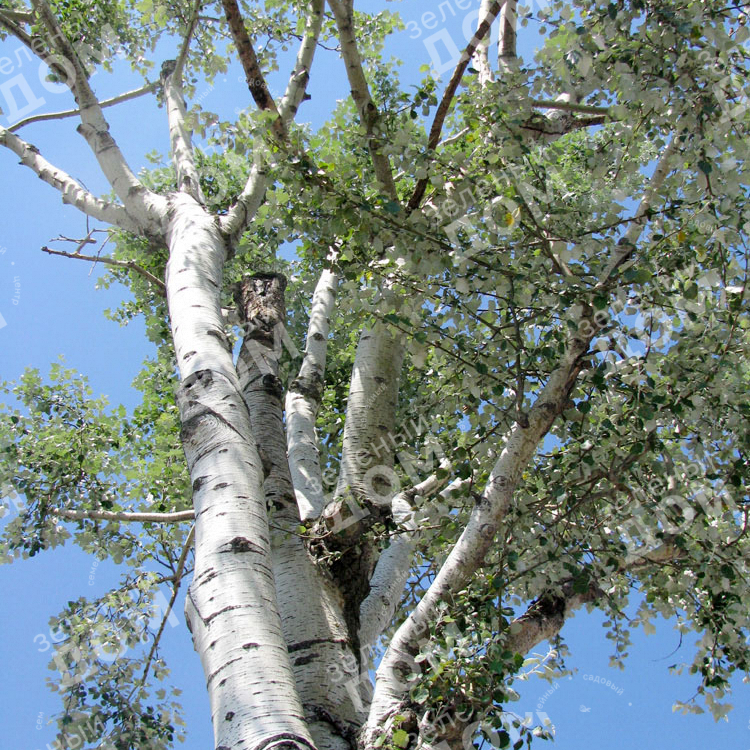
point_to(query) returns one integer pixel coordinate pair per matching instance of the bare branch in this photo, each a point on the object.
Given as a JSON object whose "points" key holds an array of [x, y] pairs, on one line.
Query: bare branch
{"points": [[129, 264], [180, 138], [126, 516], [297, 86], [481, 57], [17, 16], [177, 578], [73, 193], [394, 565], [241, 213], [506, 51], [148, 88], [182, 56], [253, 74]]}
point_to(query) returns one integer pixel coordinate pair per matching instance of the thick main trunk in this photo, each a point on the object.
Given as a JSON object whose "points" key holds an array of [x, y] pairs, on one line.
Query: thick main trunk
{"points": [[322, 653], [231, 607]]}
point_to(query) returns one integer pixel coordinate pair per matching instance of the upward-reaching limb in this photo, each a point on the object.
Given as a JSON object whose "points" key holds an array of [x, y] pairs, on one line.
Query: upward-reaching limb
{"points": [[488, 515], [506, 51], [450, 91], [303, 400], [180, 138], [147, 207], [242, 212], [343, 11]]}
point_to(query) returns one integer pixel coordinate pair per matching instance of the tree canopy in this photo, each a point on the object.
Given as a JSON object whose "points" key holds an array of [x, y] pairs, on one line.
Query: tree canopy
{"points": [[467, 357]]}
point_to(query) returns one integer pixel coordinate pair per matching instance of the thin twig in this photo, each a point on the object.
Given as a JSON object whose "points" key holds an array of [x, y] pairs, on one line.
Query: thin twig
{"points": [[129, 264], [175, 590], [132, 517], [148, 88]]}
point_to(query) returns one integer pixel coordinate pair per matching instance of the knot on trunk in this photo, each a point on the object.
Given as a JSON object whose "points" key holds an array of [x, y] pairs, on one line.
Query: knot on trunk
{"points": [[261, 304]]}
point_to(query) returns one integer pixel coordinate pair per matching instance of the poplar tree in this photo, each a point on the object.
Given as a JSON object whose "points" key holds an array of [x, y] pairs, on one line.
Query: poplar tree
{"points": [[467, 358]]}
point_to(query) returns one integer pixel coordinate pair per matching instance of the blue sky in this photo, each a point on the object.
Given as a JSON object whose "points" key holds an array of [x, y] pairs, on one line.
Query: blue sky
{"points": [[50, 307]]}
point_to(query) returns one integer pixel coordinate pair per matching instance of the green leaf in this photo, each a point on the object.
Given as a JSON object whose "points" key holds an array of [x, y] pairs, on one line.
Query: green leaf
{"points": [[400, 738]]}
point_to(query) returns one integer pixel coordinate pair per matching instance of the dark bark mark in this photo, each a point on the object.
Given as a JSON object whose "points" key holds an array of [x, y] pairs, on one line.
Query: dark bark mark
{"points": [[284, 741], [220, 669], [302, 660], [315, 642], [240, 544]]}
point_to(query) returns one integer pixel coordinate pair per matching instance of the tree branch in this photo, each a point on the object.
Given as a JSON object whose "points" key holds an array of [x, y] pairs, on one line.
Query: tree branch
{"points": [[127, 516], [180, 138], [148, 207], [394, 565], [368, 112], [129, 264], [73, 193], [481, 57], [297, 85], [547, 615], [506, 48], [182, 56], [177, 580], [148, 88], [486, 518], [303, 400], [585, 109], [241, 213], [17, 16], [450, 92], [627, 244], [253, 74]]}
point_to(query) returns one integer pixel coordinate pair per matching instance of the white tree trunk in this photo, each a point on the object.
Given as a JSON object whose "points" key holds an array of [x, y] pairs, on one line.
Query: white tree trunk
{"points": [[231, 607], [321, 650]]}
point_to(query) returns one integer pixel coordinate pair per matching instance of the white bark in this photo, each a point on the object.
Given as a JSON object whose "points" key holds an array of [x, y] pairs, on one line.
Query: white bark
{"points": [[147, 207], [394, 564], [481, 58], [312, 608], [322, 653], [369, 432], [297, 86], [303, 401], [193, 277], [476, 539], [127, 96], [73, 193], [231, 607], [177, 516], [479, 534], [506, 51], [242, 212], [368, 112], [180, 137]]}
